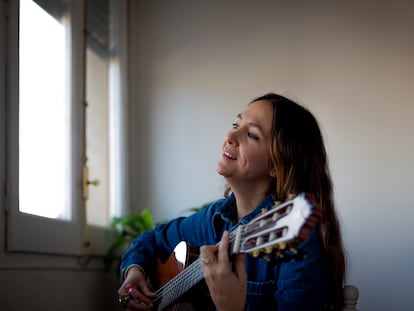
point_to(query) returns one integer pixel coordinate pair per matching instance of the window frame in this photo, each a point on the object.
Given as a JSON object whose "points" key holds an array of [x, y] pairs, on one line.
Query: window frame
{"points": [[3, 182], [66, 235], [31, 233]]}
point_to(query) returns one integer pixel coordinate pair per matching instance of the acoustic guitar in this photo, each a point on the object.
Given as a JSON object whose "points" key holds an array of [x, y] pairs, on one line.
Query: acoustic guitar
{"points": [[272, 235]]}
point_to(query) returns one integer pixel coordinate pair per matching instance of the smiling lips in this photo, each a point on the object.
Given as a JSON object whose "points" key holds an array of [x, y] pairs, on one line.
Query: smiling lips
{"points": [[229, 155]]}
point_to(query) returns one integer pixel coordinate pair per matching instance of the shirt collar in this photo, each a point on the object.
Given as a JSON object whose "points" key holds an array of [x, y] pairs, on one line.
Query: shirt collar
{"points": [[225, 218]]}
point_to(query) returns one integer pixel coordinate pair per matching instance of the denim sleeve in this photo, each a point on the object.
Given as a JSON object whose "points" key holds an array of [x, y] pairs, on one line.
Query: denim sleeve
{"points": [[160, 242], [302, 283]]}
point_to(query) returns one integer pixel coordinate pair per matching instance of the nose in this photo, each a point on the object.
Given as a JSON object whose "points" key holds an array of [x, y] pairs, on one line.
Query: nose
{"points": [[232, 138]]}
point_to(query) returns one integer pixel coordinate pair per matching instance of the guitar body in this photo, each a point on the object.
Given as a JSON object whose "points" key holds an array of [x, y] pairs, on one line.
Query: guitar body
{"points": [[197, 298]]}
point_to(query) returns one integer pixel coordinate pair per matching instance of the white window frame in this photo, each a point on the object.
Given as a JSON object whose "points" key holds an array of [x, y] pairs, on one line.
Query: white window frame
{"points": [[34, 234]]}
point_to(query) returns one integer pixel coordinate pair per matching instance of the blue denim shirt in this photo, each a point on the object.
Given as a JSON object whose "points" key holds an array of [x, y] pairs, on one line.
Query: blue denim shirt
{"points": [[299, 284]]}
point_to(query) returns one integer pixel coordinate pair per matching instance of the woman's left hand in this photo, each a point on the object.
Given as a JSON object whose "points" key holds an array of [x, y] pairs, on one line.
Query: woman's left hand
{"points": [[227, 287]]}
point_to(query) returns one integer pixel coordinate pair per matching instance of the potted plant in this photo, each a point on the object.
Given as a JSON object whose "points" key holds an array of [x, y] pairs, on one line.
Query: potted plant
{"points": [[127, 228]]}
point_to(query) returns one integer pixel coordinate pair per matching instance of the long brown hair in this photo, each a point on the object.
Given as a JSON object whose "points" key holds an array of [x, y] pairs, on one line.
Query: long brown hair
{"points": [[297, 151]]}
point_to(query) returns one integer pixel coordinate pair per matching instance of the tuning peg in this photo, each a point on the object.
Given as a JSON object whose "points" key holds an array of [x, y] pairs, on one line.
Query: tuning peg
{"points": [[290, 196], [268, 250], [264, 210], [282, 246], [293, 250], [277, 203], [280, 255]]}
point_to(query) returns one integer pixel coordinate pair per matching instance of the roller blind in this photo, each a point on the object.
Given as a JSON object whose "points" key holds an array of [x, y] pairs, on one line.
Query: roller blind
{"points": [[53, 7], [97, 21], [98, 26]]}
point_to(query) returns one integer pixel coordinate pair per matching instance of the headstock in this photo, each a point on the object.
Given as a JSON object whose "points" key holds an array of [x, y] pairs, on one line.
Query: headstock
{"points": [[276, 232]]}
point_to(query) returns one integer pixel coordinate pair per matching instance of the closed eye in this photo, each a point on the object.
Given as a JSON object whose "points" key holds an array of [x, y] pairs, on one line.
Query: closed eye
{"points": [[253, 136]]}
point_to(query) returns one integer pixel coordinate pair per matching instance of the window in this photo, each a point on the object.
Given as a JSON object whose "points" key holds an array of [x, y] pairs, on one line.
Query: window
{"points": [[65, 125], [105, 118], [43, 105], [106, 114]]}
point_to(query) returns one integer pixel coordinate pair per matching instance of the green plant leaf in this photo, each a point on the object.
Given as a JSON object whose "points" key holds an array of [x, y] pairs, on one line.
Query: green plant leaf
{"points": [[128, 228]]}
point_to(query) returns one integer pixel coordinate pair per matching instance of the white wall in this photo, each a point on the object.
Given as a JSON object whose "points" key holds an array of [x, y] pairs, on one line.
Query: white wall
{"points": [[196, 64]]}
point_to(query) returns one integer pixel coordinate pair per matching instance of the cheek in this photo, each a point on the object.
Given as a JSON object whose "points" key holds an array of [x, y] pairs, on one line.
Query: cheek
{"points": [[260, 158]]}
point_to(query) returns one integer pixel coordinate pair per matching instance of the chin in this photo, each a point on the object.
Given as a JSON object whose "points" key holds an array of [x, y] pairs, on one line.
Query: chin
{"points": [[221, 171]]}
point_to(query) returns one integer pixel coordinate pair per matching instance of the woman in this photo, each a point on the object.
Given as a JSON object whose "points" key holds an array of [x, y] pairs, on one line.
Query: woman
{"points": [[274, 149]]}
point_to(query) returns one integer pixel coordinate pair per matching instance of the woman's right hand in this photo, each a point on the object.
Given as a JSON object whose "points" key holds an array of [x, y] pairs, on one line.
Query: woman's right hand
{"points": [[136, 286]]}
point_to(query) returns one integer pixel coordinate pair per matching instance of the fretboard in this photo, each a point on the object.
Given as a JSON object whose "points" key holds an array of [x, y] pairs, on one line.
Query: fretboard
{"points": [[178, 286]]}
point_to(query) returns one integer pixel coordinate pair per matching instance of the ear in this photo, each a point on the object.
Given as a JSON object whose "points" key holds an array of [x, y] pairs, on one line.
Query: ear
{"points": [[272, 172]]}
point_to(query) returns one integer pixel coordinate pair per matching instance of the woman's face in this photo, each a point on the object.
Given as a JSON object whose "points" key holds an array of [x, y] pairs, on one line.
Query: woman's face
{"points": [[245, 151]]}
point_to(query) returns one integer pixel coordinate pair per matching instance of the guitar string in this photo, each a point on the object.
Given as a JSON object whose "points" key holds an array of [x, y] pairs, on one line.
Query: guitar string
{"points": [[170, 291]]}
